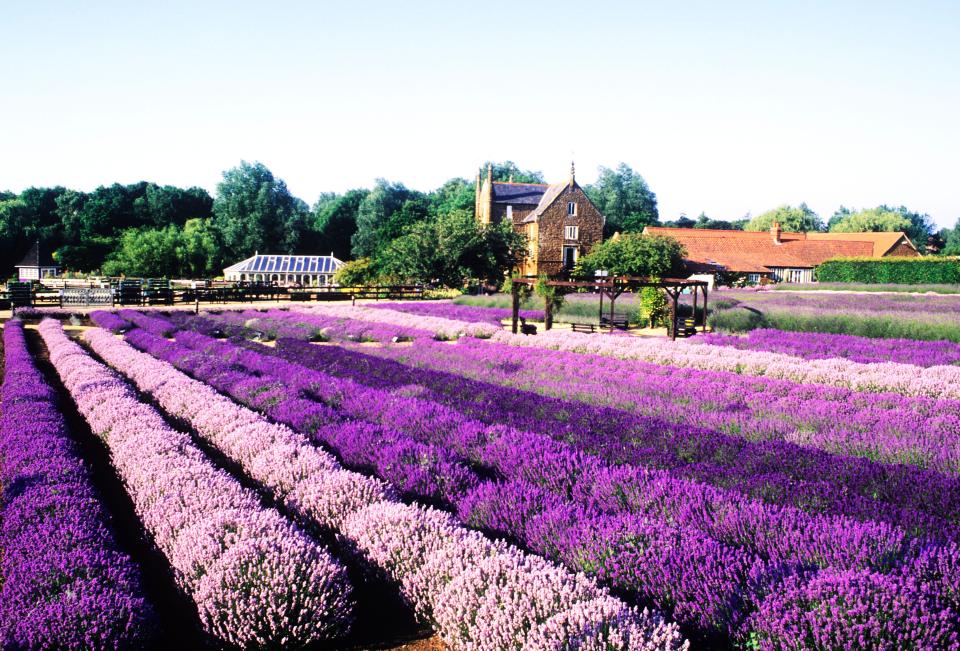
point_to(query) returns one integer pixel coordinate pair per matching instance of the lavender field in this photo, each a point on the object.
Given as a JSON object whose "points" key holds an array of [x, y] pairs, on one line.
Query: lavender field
{"points": [[291, 471]]}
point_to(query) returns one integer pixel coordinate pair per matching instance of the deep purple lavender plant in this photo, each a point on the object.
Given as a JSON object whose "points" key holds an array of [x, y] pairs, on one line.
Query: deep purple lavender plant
{"points": [[65, 583]]}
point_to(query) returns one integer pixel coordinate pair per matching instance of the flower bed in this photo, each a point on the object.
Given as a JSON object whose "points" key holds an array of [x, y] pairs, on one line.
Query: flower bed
{"points": [[310, 483], [65, 583], [256, 580]]}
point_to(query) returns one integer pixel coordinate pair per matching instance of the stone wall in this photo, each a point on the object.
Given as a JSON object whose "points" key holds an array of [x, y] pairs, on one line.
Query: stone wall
{"points": [[551, 229]]}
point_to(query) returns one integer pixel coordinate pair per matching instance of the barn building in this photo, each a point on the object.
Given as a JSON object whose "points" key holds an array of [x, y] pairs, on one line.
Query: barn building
{"points": [[559, 220], [784, 257], [300, 270], [37, 264]]}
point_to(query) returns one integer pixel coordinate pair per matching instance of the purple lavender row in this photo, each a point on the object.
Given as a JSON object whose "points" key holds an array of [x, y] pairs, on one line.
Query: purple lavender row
{"points": [[555, 608], [924, 502], [65, 583], [256, 580], [512, 507], [814, 345], [448, 310]]}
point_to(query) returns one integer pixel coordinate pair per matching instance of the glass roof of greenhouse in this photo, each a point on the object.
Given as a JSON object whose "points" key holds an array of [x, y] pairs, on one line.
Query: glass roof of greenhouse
{"points": [[300, 264]]}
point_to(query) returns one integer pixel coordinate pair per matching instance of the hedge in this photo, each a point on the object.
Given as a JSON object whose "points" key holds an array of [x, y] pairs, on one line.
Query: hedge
{"points": [[907, 271]]}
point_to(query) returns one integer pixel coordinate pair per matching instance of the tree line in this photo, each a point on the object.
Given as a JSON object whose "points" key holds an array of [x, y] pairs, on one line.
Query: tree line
{"points": [[389, 231]]}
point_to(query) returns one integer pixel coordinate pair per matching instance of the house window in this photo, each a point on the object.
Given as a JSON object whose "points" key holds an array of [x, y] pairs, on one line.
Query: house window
{"points": [[571, 232], [509, 212], [571, 208], [569, 257]]}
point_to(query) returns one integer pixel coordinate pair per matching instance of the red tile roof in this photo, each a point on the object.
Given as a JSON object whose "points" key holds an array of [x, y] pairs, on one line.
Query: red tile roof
{"points": [[759, 252]]}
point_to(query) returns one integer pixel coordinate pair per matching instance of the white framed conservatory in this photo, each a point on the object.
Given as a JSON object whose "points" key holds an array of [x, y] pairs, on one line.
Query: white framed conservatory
{"points": [[285, 270]]}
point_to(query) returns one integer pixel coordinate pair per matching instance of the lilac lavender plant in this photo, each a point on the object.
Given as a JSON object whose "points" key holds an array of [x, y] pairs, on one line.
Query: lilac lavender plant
{"points": [[248, 439], [257, 581], [518, 514], [448, 310], [815, 345], [64, 583], [110, 321]]}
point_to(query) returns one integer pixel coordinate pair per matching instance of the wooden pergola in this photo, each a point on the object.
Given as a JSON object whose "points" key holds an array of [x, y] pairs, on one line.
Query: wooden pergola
{"points": [[613, 288]]}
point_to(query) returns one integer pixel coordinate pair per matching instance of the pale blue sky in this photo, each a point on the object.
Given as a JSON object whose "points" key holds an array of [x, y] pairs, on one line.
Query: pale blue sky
{"points": [[723, 107]]}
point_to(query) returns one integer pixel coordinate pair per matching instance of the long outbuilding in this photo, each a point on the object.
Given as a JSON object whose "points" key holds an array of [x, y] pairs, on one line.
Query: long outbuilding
{"points": [[302, 270]]}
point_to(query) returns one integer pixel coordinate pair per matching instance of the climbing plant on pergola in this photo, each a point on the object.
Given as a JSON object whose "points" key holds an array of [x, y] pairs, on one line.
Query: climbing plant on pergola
{"points": [[613, 288]]}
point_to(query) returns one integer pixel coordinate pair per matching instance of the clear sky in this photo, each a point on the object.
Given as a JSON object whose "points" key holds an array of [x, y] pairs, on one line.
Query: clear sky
{"points": [[723, 107]]}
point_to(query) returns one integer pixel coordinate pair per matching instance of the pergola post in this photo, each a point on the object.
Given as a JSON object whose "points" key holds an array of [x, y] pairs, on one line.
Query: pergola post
{"points": [[704, 330], [601, 305], [515, 290], [673, 320], [696, 295], [547, 313]]}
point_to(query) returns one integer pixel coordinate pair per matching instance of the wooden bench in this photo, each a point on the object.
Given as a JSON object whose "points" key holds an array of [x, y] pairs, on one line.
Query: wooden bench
{"points": [[618, 321], [584, 327], [686, 327]]}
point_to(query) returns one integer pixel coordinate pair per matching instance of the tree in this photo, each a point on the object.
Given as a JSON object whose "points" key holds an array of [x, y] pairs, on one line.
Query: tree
{"points": [[333, 223], [952, 240], [145, 252], [508, 170], [625, 199], [374, 212], [199, 250], [355, 272], [455, 194], [793, 220], [254, 211], [451, 250], [884, 219], [635, 254]]}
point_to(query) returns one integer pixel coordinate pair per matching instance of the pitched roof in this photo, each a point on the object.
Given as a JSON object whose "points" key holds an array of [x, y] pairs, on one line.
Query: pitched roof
{"points": [[553, 191], [37, 258], [758, 252], [518, 193], [883, 243], [263, 263]]}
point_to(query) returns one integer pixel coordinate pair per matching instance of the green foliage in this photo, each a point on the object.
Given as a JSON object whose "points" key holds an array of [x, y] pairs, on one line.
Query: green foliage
{"points": [[451, 250], [908, 271], [191, 251], [455, 194], [255, 211], [653, 306], [736, 320], [332, 224], [625, 199], [355, 272], [634, 254], [702, 221], [507, 170], [884, 219], [952, 240], [793, 220], [375, 216]]}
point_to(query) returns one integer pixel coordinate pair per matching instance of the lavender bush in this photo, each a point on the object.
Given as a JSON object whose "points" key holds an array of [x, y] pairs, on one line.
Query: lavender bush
{"points": [[63, 581], [275, 456], [571, 536], [811, 345], [453, 311], [257, 581]]}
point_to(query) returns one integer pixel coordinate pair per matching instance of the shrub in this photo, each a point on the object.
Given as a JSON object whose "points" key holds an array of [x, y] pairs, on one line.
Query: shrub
{"points": [[737, 320], [908, 271]]}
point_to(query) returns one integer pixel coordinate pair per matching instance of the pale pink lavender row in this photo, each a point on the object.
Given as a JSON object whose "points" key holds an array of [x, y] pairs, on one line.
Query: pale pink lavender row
{"points": [[448, 310], [906, 379], [64, 583], [478, 594], [539, 462], [865, 350], [442, 328], [257, 581], [884, 427]]}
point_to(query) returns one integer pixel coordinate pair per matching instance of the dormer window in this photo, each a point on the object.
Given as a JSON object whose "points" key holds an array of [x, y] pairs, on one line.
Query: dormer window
{"points": [[572, 208], [571, 232]]}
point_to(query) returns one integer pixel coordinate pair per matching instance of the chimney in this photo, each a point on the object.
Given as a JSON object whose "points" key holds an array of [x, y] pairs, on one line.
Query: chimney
{"points": [[775, 232]]}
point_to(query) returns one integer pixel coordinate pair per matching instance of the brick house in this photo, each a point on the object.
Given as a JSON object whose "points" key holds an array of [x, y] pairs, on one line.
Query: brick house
{"points": [[559, 220], [784, 257]]}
